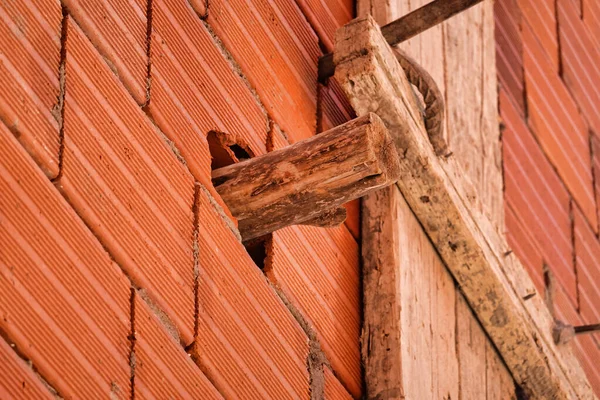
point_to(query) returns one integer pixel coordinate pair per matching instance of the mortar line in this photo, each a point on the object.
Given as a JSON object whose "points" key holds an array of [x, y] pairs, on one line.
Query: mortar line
{"points": [[59, 111], [132, 341]]}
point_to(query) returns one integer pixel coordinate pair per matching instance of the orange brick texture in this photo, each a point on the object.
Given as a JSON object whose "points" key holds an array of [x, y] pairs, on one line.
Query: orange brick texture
{"points": [[122, 272], [548, 57]]}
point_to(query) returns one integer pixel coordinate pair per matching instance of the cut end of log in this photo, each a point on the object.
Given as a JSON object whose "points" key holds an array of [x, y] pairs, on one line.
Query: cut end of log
{"points": [[307, 182]]}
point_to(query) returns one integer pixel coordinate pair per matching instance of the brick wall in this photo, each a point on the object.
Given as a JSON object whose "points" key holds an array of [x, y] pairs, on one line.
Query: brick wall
{"points": [[548, 57], [121, 271]]}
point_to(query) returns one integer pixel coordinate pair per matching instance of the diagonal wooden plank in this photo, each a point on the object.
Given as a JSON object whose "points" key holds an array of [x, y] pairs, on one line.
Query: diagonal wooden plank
{"points": [[495, 286]]}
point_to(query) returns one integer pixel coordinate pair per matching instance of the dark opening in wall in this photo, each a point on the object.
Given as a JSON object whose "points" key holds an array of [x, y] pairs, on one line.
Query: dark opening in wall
{"points": [[224, 151], [259, 249]]}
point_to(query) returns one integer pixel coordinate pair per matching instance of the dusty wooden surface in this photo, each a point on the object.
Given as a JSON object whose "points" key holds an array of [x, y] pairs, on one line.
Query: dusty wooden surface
{"points": [[469, 244], [420, 338], [299, 183]]}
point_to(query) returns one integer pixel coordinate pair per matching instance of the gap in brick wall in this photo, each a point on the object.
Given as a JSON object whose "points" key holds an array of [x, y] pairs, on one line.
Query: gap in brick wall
{"points": [[258, 250], [224, 151]]}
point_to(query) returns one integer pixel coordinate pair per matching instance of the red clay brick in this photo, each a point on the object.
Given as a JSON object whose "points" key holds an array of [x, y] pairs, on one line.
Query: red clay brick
{"points": [[126, 184], [587, 251], [580, 57], [278, 52], [540, 17], [64, 304], [334, 390], [118, 30], [525, 246], [195, 90], [537, 196], [318, 271], [509, 50], [326, 16], [17, 379], [162, 368], [591, 18], [558, 126], [248, 344], [596, 152], [335, 108], [29, 64]]}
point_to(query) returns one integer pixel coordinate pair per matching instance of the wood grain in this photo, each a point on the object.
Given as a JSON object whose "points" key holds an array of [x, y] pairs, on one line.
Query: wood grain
{"points": [[301, 182], [465, 238]]}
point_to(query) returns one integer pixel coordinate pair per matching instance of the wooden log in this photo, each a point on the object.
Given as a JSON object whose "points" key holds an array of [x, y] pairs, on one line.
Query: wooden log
{"points": [[307, 181], [496, 286]]}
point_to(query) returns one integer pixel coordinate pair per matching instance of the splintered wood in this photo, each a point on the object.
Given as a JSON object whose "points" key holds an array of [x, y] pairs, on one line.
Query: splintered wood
{"points": [[496, 286], [306, 183]]}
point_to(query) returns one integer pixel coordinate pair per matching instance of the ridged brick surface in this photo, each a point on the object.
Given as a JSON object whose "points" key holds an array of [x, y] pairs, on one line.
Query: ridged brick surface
{"points": [[248, 344], [163, 369], [326, 16], [540, 16], [596, 161], [537, 196], [591, 18], [335, 108], [557, 124], [580, 56], [126, 184], [318, 271], [587, 250], [17, 379], [523, 243], [118, 29], [334, 390], [64, 304], [195, 90], [278, 52], [509, 50], [29, 63]]}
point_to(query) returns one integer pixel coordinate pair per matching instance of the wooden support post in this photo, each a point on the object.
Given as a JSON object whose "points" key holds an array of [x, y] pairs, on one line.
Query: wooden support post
{"points": [[307, 182], [495, 285]]}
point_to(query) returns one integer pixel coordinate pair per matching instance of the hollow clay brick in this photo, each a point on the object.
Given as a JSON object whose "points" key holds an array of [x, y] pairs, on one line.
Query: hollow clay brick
{"points": [[587, 262], [509, 50], [318, 271], [326, 16], [556, 123], [537, 196], [29, 77], [278, 52], [580, 56], [248, 344], [162, 367], [117, 28], [127, 184], [17, 379], [64, 304], [540, 17], [334, 390], [195, 90]]}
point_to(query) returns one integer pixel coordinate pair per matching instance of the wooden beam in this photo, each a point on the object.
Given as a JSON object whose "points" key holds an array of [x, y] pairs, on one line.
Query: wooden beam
{"points": [[408, 26], [308, 181], [495, 285]]}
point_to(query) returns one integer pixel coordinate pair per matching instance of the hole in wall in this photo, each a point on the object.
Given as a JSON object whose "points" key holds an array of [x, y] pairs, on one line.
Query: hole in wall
{"points": [[225, 151], [258, 249]]}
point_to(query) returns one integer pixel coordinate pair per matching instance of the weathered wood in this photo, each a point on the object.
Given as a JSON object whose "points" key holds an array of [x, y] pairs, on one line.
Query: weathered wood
{"points": [[299, 183], [493, 284], [381, 348], [408, 26]]}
